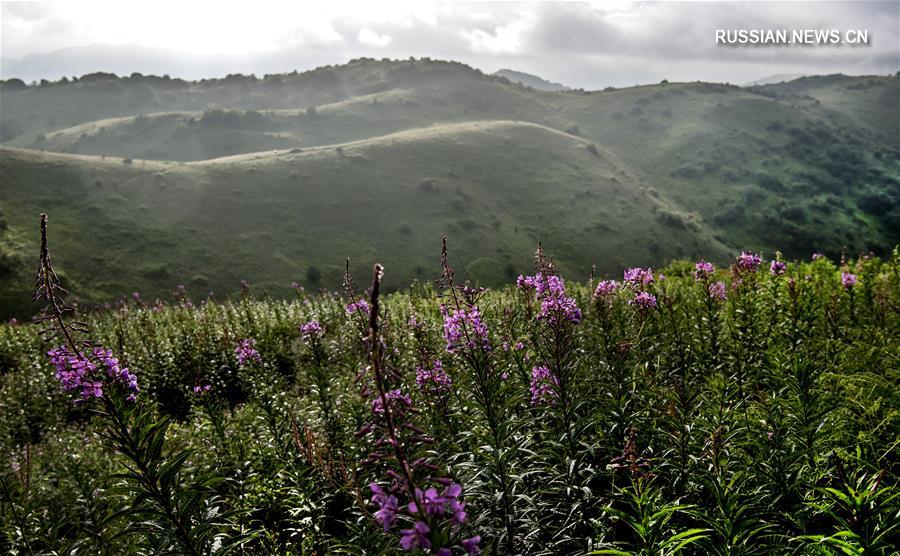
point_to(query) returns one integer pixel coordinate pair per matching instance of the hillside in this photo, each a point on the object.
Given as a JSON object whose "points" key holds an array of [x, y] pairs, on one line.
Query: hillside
{"points": [[495, 188], [615, 178], [530, 80]]}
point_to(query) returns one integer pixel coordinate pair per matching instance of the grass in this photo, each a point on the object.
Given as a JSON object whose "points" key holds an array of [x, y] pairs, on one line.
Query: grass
{"points": [[495, 187]]}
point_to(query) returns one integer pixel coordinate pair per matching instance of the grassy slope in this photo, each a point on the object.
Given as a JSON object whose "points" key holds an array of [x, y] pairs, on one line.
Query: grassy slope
{"points": [[200, 135], [749, 163], [28, 113], [867, 103], [495, 188], [745, 159]]}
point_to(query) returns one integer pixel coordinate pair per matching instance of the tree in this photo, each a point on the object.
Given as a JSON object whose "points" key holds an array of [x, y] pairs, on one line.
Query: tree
{"points": [[313, 275]]}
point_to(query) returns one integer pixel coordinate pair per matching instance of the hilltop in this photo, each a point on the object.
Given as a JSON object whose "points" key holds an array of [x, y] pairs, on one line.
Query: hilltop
{"points": [[530, 80], [159, 180]]}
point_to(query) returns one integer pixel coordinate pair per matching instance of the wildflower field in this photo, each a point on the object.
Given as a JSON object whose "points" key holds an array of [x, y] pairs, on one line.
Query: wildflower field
{"points": [[696, 409]]}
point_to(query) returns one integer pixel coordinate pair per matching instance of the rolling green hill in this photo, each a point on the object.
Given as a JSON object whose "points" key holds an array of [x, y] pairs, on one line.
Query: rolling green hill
{"points": [[495, 188], [154, 181]]}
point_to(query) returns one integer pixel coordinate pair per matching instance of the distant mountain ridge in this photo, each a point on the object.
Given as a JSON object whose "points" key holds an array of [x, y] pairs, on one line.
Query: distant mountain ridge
{"points": [[777, 78], [530, 80]]}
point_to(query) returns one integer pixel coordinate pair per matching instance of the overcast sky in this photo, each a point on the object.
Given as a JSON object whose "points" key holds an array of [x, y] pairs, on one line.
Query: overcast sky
{"points": [[581, 44]]}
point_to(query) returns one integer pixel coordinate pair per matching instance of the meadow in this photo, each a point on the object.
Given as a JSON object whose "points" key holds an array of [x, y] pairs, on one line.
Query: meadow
{"points": [[747, 408]]}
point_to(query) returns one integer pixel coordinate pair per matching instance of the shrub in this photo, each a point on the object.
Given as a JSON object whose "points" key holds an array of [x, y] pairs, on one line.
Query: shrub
{"points": [[313, 275], [688, 170]]}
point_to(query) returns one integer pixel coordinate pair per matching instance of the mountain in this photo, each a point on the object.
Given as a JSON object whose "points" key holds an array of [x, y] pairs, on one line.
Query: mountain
{"points": [[530, 80], [126, 59], [777, 78], [151, 181]]}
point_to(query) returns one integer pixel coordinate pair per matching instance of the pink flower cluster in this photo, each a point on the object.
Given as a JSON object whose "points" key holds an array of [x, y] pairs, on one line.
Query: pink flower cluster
{"points": [[550, 290], [718, 291], [79, 373], [848, 280], [431, 504], [463, 328], [200, 390], [358, 306], [749, 261], [777, 267], [638, 278], [398, 401], [606, 288], [644, 301], [310, 330], [245, 351], [434, 380], [703, 270], [543, 386]]}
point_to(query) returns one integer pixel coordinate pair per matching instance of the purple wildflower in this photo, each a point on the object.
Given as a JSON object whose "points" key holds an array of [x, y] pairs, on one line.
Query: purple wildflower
{"points": [[848, 280], [817, 256], [245, 351], [415, 537], [703, 270], [396, 398], [387, 506], [457, 507], [777, 268], [605, 288], [556, 306], [526, 282], [310, 330], [79, 373], [464, 328], [638, 278], [434, 380], [718, 291], [200, 390], [116, 372], [359, 306], [644, 301], [542, 385], [472, 545], [431, 501], [438, 504], [414, 323], [749, 261]]}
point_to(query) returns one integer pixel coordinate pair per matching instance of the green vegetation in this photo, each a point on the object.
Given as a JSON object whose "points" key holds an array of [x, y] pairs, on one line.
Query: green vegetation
{"points": [[733, 411], [497, 187]]}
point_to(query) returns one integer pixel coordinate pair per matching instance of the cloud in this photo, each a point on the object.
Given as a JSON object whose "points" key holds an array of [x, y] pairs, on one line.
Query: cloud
{"points": [[371, 38], [508, 38]]}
